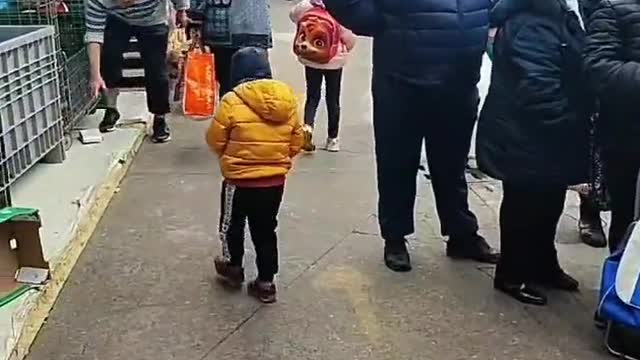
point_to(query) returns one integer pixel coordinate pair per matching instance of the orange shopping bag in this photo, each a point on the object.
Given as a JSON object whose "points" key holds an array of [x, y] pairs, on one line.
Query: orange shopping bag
{"points": [[200, 87]]}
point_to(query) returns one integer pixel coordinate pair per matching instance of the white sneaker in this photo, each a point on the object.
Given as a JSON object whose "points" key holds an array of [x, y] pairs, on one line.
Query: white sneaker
{"points": [[333, 145]]}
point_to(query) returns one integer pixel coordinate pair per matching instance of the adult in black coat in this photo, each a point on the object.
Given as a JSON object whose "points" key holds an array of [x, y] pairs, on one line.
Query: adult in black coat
{"points": [[533, 135], [426, 65], [612, 58]]}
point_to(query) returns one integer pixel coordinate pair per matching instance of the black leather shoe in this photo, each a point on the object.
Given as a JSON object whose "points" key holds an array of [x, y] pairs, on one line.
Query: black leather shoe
{"points": [[521, 292], [560, 280], [396, 256], [474, 248]]}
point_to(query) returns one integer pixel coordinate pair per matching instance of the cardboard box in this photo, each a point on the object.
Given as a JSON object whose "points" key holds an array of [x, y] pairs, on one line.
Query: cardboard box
{"points": [[20, 246]]}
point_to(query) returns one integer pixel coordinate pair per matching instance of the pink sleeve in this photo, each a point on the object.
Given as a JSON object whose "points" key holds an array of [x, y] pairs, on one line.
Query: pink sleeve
{"points": [[348, 38], [299, 9]]}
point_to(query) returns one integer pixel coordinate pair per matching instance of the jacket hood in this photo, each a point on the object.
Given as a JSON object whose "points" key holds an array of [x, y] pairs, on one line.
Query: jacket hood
{"points": [[272, 100], [502, 10], [249, 64]]}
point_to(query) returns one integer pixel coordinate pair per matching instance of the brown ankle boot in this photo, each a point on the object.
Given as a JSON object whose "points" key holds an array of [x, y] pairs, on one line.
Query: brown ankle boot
{"points": [[263, 291], [590, 224], [232, 276]]}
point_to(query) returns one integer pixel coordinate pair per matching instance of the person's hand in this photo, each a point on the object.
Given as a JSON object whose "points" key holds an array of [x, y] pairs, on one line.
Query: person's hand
{"points": [[97, 85], [182, 20]]}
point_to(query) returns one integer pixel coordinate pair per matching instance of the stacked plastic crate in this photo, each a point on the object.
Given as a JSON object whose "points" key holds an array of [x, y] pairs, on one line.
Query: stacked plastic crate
{"points": [[31, 126], [67, 16]]}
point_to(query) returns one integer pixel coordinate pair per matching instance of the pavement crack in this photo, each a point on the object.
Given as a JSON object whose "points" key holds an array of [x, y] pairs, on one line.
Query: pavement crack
{"points": [[362, 232], [287, 286], [231, 333], [323, 255], [483, 200]]}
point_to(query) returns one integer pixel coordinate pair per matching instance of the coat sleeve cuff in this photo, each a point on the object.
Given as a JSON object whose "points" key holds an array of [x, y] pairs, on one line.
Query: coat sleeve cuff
{"points": [[94, 37], [181, 4]]}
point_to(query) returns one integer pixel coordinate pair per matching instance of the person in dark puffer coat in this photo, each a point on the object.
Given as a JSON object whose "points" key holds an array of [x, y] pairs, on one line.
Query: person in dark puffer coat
{"points": [[533, 136], [612, 58], [426, 59]]}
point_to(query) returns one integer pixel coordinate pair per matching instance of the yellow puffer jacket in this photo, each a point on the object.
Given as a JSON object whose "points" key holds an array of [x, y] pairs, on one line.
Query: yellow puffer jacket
{"points": [[257, 131]]}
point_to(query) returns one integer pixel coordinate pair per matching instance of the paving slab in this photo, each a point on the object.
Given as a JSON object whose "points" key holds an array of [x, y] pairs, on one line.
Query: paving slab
{"points": [[144, 288]]}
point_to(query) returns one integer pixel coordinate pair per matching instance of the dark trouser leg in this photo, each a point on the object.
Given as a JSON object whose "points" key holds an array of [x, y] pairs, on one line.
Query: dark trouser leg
{"points": [[263, 221], [223, 68], [549, 204], [314, 87], [232, 222], [398, 142], [449, 127], [515, 237], [153, 48], [519, 264], [529, 219], [333, 83], [621, 174], [116, 40]]}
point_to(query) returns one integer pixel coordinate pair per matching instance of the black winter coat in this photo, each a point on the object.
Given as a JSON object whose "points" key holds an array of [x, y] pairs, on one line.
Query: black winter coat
{"points": [[533, 128], [435, 44], [612, 59]]}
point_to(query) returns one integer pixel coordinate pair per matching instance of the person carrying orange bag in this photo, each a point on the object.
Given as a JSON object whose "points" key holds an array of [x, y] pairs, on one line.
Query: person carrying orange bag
{"points": [[200, 87]]}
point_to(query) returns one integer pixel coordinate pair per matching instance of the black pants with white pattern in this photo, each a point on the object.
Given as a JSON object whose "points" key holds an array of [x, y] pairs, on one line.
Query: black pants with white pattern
{"points": [[259, 207]]}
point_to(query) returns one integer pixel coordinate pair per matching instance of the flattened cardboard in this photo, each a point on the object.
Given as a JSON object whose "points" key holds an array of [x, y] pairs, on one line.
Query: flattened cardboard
{"points": [[26, 233]]}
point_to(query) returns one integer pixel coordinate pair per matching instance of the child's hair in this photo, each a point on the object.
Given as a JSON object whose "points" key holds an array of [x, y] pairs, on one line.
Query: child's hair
{"points": [[248, 64]]}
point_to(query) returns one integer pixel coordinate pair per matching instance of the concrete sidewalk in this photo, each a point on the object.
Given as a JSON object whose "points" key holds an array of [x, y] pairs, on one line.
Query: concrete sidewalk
{"points": [[145, 288]]}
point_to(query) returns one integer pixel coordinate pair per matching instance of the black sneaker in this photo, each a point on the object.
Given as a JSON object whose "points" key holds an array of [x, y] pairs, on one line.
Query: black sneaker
{"points": [[396, 255], [161, 131], [109, 121]]}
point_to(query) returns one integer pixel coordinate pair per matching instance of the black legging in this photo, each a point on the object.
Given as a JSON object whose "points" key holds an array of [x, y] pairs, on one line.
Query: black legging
{"points": [[333, 80]]}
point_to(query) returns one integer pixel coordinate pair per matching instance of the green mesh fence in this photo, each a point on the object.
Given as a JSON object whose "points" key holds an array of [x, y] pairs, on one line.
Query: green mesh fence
{"points": [[67, 16]]}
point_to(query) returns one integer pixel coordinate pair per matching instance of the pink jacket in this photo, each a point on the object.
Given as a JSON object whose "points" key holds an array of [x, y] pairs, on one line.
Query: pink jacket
{"points": [[347, 36]]}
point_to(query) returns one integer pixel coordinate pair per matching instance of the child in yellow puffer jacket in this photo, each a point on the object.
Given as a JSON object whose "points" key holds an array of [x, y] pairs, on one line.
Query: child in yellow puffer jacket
{"points": [[256, 133]]}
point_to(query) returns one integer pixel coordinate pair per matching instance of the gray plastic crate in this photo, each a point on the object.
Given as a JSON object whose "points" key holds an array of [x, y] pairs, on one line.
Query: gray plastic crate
{"points": [[31, 127]]}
